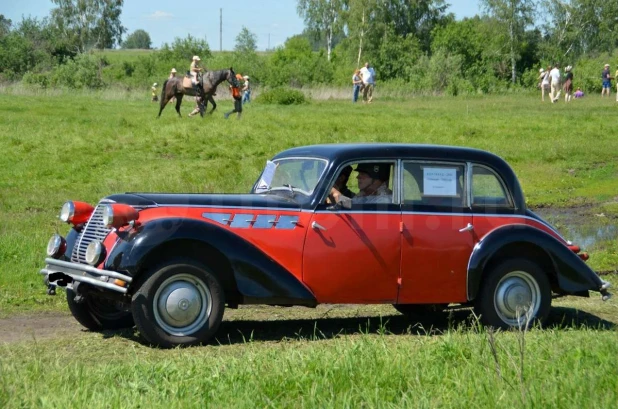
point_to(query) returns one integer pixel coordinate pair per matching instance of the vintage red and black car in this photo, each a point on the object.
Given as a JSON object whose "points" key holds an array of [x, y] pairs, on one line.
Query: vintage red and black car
{"points": [[455, 230]]}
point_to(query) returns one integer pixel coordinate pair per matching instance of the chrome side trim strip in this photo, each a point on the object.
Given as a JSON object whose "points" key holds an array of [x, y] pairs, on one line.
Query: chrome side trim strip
{"points": [[241, 208]]}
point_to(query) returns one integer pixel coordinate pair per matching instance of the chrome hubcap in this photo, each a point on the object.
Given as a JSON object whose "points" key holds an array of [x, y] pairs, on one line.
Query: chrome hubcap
{"points": [[517, 298], [182, 305]]}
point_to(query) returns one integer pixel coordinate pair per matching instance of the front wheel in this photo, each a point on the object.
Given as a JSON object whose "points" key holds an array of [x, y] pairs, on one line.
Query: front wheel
{"points": [[98, 314], [179, 303], [514, 294]]}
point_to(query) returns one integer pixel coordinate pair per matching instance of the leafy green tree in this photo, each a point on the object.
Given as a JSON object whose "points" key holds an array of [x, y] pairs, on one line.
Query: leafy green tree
{"points": [[579, 27], [32, 45], [296, 65], [323, 17], [5, 25], [246, 41], [372, 24], [396, 55], [515, 16], [137, 39], [358, 15], [183, 49], [87, 24], [472, 40]]}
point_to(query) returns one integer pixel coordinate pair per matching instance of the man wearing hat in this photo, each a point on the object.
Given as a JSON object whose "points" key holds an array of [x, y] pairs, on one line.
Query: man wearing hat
{"points": [[172, 74], [372, 181], [607, 84], [246, 89], [194, 70]]}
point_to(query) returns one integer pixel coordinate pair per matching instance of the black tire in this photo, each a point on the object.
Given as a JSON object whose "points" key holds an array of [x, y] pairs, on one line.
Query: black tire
{"points": [[178, 303], [508, 289], [98, 314], [420, 311]]}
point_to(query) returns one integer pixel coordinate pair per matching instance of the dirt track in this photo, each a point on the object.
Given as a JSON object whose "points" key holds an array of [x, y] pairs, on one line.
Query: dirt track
{"points": [[37, 326]]}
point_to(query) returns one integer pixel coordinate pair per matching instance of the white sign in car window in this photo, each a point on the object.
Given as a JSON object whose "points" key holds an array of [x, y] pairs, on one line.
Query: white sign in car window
{"points": [[440, 181], [267, 176]]}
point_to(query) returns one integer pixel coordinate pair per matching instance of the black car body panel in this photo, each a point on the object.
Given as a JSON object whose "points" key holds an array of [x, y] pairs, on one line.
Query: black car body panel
{"points": [[259, 279], [573, 274]]}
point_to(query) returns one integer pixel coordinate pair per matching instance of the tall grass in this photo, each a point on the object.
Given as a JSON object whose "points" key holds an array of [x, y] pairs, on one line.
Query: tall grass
{"points": [[563, 369]]}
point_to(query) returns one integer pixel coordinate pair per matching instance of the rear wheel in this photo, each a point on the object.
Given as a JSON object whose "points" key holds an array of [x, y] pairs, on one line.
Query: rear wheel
{"points": [[514, 292], [178, 303], [98, 314]]}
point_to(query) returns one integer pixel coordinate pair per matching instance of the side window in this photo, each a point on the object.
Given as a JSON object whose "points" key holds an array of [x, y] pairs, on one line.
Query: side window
{"points": [[433, 184], [365, 183], [487, 189]]}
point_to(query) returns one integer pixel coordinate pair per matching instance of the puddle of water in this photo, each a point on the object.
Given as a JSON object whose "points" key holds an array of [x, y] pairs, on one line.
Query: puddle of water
{"points": [[581, 226]]}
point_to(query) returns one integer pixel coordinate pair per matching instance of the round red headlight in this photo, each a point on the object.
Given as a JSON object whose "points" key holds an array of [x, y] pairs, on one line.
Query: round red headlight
{"points": [[75, 212], [118, 215]]}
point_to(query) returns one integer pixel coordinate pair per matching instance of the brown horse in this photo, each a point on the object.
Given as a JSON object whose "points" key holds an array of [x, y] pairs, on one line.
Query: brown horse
{"points": [[208, 87]]}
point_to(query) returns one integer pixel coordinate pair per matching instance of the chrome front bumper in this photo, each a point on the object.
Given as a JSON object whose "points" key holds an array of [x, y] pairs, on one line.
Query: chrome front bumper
{"points": [[82, 273]]}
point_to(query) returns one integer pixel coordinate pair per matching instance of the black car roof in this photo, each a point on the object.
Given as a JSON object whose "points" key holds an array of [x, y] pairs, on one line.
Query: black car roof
{"points": [[338, 153], [343, 152]]}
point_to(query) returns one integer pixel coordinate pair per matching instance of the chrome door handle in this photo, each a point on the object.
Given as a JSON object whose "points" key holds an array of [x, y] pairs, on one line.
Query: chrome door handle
{"points": [[317, 226], [469, 227]]}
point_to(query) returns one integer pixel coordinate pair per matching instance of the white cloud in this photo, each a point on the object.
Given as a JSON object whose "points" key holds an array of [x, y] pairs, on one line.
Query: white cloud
{"points": [[160, 15]]}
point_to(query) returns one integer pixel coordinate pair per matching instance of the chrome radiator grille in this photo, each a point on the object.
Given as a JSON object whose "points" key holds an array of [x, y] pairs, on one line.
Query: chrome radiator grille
{"points": [[94, 230]]}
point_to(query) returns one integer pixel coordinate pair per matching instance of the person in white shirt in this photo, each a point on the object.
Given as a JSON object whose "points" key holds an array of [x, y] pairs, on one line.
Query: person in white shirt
{"points": [[544, 77], [246, 89], [368, 76], [554, 76]]}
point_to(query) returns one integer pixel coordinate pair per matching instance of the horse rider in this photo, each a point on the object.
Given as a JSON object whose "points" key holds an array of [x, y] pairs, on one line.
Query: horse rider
{"points": [[195, 71], [172, 75]]}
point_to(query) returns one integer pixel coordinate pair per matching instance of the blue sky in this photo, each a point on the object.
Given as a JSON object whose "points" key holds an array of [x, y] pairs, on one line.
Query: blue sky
{"points": [[165, 20]]}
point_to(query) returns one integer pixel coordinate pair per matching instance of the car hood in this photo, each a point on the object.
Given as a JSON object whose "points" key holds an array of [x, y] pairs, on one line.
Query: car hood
{"points": [[214, 200]]}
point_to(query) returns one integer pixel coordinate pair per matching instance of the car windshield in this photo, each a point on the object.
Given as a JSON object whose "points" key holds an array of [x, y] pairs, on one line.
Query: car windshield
{"points": [[295, 175]]}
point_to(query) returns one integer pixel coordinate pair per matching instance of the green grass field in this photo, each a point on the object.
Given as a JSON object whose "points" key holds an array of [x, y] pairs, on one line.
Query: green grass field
{"points": [[57, 146]]}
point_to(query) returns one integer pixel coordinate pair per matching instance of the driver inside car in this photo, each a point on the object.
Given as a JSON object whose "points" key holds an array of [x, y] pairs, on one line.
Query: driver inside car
{"points": [[341, 185], [372, 181]]}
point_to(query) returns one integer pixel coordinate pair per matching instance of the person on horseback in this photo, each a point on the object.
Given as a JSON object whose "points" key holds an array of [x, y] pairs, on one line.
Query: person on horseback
{"points": [[196, 73]]}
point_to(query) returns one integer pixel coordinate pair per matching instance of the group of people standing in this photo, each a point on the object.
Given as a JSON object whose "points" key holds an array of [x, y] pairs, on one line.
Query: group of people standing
{"points": [[553, 82], [363, 80]]}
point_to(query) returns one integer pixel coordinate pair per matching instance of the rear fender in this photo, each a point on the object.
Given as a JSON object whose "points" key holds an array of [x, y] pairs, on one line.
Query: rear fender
{"points": [[572, 273]]}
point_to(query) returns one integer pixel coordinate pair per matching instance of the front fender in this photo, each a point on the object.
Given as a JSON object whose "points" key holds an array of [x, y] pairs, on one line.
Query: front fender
{"points": [[573, 273], [258, 277]]}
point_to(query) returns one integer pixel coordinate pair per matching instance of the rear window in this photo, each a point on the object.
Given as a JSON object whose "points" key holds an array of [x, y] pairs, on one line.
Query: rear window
{"points": [[488, 189]]}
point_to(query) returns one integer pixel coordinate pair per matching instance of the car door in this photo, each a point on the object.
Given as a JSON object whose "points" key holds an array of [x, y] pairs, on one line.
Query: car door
{"points": [[437, 234], [353, 255], [492, 203]]}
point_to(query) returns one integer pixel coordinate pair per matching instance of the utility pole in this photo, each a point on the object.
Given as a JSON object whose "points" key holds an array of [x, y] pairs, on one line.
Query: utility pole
{"points": [[220, 29]]}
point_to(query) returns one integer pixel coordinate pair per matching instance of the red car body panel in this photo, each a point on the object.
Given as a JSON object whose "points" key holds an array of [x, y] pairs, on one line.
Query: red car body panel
{"points": [[355, 259], [285, 246], [434, 258]]}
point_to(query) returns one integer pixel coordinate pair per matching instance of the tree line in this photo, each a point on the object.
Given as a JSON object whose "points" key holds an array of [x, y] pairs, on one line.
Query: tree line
{"points": [[413, 44]]}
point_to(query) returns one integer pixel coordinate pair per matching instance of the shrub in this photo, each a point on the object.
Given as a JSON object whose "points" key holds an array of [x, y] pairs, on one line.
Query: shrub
{"points": [[282, 96], [36, 80], [82, 72]]}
